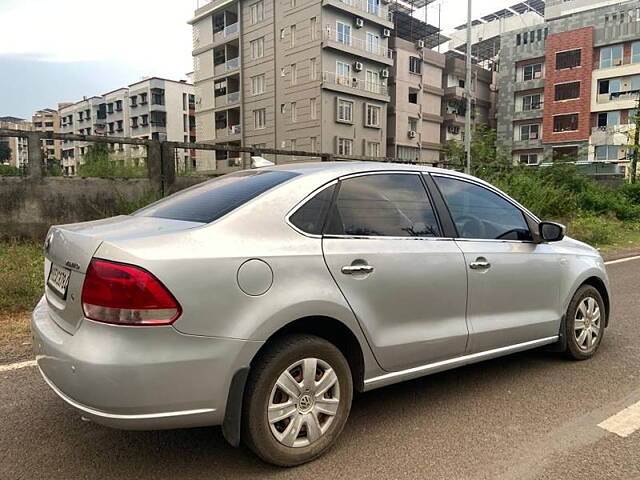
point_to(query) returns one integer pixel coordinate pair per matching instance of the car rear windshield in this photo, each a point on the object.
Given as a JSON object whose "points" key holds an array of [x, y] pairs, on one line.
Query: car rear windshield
{"points": [[211, 200]]}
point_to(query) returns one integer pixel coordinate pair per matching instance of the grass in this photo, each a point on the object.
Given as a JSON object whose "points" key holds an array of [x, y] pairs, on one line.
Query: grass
{"points": [[21, 276]]}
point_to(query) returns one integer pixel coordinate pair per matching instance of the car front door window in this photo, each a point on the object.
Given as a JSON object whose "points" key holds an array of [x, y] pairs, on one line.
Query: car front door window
{"points": [[479, 213]]}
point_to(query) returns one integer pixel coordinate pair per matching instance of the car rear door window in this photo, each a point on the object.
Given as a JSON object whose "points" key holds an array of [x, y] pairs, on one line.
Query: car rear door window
{"points": [[385, 205], [211, 200], [482, 214], [310, 217]]}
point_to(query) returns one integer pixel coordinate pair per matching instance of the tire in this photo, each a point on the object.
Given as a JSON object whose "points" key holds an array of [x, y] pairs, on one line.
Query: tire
{"points": [[317, 416], [581, 319]]}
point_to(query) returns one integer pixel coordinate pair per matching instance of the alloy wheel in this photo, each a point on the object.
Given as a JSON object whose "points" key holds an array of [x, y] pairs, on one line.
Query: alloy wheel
{"points": [[587, 323]]}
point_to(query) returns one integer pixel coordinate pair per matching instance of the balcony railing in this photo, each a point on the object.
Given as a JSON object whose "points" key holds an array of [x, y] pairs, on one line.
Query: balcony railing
{"points": [[355, 83], [357, 43], [233, 97], [370, 7], [233, 63], [231, 29], [235, 130]]}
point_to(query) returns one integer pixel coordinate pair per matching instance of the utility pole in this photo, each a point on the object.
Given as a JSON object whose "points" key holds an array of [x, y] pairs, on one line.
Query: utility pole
{"points": [[636, 140], [467, 84]]}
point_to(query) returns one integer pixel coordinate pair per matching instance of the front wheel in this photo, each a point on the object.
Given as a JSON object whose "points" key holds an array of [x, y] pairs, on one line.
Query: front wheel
{"points": [[297, 400], [585, 323]]}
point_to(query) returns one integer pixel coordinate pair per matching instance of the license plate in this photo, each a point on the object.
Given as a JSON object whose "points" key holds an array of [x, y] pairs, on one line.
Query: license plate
{"points": [[59, 280]]}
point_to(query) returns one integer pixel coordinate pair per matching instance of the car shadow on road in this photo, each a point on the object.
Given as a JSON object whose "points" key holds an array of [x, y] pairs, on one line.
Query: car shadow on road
{"points": [[203, 452]]}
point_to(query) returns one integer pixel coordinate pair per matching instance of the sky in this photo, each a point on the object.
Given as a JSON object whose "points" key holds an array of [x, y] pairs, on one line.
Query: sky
{"points": [[74, 48]]}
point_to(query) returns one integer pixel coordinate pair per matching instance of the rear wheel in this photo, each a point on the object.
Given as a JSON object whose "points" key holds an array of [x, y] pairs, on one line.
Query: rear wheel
{"points": [[297, 400], [585, 323]]}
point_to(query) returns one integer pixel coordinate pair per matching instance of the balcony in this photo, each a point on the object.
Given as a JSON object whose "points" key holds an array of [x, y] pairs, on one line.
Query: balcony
{"points": [[611, 135], [624, 96], [355, 86], [357, 46], [368, 9], [229, 132], [227, 99]]}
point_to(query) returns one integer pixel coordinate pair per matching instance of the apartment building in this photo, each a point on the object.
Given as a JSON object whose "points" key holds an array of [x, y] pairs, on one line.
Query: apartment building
{"points": [[568, 88], [454, 102], [19, 146], [293, 74], [415, 113], [47, 120], [154, 108]]}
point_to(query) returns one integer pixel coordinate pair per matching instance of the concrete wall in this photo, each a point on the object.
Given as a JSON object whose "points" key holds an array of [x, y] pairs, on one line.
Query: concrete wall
{"points": [[30, 207]]}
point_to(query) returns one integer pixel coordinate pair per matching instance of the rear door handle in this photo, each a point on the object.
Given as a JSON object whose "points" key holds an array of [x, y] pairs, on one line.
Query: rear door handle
{"points": [[481, 263], [355, 269]]}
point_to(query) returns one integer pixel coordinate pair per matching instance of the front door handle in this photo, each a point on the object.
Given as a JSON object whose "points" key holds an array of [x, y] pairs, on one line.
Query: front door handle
{"points": [[356, 269], [481, 263]]}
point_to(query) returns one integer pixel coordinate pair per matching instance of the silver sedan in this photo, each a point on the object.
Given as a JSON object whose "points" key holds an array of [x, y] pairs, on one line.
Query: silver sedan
{"points": [[261, 300]]}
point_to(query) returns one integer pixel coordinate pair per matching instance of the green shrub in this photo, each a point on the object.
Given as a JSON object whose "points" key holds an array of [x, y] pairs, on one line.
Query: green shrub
{"points": [[594, 230], [632, 192], [9, 171]]}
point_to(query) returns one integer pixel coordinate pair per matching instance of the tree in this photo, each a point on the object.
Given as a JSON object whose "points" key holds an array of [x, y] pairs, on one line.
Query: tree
{"points": [[5, 152], [484, 150], [633, 148]]}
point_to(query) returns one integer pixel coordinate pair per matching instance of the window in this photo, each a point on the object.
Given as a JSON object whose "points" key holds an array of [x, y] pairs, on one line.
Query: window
{"points": [[373, 115], [461, 83], [144, 120], [257, 48], [215, 198], [481, 213], [635, 52], [529, 132], [313, 69], [373, 43], [294, 112], [519, 39], [372, 81], [313, 28], [257, 84], [293, 35], [110, 108], [385, 205], [311, 216], [413, 95], [608, 152], [567, 91], [294, 73], [345, 146], [257, 12], [343, 73], [530, 72], [118, 105], [343, 33], [373, 149], [143, 99], [415, 65], [611, 56], [529, 158], [260, 118], [569, 59], [413, 124], [134, 122], [313, 108], [531, 102], [157, 97], [220, 88], [608, 119], [565, 123], [611, 85], [345, 111], [373, 6]]}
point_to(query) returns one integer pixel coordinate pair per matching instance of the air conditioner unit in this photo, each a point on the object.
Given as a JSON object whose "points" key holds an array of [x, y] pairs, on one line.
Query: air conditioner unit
{"points": [[357, 66], [420, 44], [384, 73], [386, 32], [537, 75], [412, 134], [359, 22]]}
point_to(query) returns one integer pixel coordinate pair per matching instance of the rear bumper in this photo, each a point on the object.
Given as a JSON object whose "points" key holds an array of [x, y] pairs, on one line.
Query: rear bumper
{"points": [[138, 377]]}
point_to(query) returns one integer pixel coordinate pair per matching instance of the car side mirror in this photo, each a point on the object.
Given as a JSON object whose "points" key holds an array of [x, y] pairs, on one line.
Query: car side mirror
{"points": [[551, 232]]}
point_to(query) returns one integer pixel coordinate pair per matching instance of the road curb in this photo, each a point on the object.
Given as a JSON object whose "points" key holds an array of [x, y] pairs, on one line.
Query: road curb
{"points": [[620, 255]]}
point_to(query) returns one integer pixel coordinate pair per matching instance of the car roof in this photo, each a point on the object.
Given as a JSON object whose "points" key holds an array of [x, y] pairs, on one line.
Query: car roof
{"points": [[338, 169]]}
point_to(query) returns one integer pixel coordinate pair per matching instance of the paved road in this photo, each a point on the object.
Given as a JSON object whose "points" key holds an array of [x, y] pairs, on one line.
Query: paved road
{"points": [[531, 415]]}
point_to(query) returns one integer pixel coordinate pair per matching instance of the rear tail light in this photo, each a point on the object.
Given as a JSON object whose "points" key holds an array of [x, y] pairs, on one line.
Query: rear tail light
{"points": [[126, 295]]}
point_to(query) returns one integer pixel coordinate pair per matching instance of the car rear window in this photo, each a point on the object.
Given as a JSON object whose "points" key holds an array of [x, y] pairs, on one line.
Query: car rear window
{"points": [[211, 200]]}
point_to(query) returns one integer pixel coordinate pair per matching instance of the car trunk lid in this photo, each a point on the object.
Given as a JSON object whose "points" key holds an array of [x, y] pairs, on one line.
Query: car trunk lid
{"points": [[70, 248]]}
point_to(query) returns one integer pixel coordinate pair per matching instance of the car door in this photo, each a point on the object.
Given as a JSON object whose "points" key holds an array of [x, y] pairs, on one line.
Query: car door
{"points": [[513, 283], [405, 283]]}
